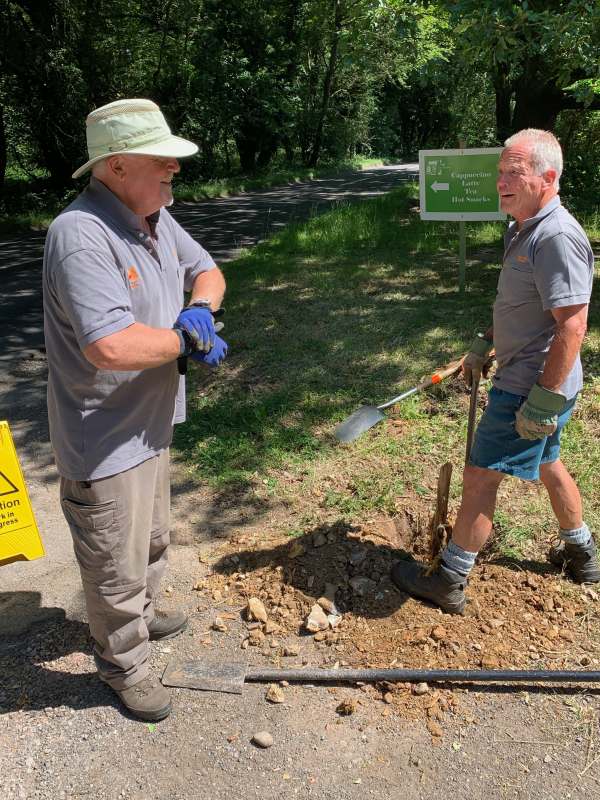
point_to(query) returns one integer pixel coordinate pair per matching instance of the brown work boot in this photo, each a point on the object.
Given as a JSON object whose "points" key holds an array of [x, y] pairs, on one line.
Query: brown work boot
{"points": [[148, 699], [166, 626], [580, 561], [442, 586]]}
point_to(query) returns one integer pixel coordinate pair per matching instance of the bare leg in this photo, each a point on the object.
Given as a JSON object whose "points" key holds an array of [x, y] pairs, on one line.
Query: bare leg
{"points": [[474, 521], [564, 494]]}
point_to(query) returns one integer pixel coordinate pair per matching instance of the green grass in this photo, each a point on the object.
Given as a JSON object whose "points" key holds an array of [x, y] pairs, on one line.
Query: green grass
{"points": [[351, 308]]}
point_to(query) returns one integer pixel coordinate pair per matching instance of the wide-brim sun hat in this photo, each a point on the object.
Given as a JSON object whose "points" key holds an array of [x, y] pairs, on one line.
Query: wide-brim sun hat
{"points": [[131, 126]]}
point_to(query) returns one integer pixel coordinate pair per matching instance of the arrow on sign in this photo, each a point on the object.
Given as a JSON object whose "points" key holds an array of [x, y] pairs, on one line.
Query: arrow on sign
{"points": [[440, 187]]}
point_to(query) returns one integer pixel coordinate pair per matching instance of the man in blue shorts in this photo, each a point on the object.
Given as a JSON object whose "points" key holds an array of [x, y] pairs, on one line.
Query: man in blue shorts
{"points": [[539, 322]]}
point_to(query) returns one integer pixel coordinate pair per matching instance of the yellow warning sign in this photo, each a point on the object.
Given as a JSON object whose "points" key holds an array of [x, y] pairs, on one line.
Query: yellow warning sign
{"points": [[19, 535]]}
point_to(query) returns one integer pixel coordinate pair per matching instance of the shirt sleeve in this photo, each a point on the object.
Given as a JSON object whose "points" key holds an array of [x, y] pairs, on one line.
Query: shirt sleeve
{"points": [[90, 289], [562, 272], [192, 256]]}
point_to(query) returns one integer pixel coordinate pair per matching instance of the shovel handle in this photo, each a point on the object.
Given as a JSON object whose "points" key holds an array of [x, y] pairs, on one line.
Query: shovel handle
{"points": [[472, 417], [442, 373], [437, 377]]}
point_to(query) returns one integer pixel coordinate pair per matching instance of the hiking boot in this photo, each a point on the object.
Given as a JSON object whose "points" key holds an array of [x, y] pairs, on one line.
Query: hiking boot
{"points": [[443, 587], [166, 626], [148, 699], [580, 561]]}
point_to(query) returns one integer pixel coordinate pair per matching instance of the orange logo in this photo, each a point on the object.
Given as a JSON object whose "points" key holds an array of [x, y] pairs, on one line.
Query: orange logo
{"points": [[522, 259], [133, 277]]}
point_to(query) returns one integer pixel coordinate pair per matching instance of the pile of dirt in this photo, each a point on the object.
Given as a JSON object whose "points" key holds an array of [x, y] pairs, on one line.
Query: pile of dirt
{"points": [[519, 616]]}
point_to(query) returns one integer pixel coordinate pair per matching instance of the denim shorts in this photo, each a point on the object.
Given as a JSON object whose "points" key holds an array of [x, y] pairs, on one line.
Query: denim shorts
{"points": [[498, 446]]}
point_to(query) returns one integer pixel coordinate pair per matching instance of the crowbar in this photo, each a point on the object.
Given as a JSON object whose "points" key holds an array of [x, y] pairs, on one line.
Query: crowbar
{"points": [[230, 677]]}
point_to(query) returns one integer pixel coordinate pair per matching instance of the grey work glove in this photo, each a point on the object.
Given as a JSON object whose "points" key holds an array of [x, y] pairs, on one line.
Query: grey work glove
{"points": [[477, 362], [538, 416]]}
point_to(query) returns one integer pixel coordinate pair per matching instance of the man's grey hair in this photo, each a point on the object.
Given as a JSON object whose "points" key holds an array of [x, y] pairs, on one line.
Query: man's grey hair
{"points": [[546, 152]]}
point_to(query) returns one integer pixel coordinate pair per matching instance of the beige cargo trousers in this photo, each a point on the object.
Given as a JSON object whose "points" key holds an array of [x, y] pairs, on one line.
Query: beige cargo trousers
{"points": [[120, 530]]}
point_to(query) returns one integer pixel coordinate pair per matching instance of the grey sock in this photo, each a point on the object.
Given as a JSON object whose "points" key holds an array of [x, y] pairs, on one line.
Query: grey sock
{"points": [[457, 559], [580, 536]]}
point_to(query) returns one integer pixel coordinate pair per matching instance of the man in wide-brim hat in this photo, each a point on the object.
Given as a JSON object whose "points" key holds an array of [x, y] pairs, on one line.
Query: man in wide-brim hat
{"points": [[116, 266]]}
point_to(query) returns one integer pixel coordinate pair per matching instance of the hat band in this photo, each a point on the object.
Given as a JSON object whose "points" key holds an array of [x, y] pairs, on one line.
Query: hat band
{"points": [[153, 136]]}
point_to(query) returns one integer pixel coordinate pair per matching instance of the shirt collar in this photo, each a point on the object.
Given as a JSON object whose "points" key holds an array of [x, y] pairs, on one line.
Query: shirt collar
{"points": [[109, 204], [543, 212]]}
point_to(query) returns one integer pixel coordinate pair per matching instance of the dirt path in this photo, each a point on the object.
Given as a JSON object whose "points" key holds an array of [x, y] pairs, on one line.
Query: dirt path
{"points": [[62, 733]]}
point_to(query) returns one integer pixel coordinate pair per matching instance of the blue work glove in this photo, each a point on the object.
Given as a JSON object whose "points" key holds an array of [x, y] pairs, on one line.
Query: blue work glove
{"points": [[538, 416], [215, 357], [199, 323]]}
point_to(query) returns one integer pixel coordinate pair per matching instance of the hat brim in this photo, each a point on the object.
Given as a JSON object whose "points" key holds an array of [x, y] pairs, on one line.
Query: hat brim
{"points": [[173, 147]]}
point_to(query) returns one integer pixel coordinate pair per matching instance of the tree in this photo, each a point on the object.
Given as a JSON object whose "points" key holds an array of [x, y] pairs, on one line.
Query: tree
{"points": [[533, 50]]}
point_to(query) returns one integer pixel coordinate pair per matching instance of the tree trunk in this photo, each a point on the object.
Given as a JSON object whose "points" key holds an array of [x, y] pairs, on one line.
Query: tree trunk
{"points": [[3, 156], [503, 90], [537, 105], [327, 84], [247, 148]]}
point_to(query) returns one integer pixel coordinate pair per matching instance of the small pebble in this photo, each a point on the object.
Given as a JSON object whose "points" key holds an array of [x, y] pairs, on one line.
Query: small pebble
{"points": [[262, 739]]}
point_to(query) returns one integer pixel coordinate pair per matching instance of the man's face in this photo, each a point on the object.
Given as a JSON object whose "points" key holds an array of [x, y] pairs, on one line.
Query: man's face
{"points": [[145, 182], [522, 193]]}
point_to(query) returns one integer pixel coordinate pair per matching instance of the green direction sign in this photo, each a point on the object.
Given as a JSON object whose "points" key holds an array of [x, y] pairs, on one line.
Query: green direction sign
{"points": [[459, 184]]}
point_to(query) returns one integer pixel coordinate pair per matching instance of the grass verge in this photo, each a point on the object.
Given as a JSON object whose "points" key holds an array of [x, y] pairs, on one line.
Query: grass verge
{"points": [[351, 308]]}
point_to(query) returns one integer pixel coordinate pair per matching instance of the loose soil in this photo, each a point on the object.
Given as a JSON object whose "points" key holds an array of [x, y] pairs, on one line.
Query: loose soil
{"points": [[516, 618]]}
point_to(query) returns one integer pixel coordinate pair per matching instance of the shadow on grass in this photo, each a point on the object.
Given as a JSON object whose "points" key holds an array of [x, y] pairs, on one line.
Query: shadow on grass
{"points": [[350, 308]]}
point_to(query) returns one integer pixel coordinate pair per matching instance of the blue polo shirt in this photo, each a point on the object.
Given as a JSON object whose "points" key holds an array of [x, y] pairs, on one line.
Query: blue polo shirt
{"points": [[548, 263], [102, 272]]}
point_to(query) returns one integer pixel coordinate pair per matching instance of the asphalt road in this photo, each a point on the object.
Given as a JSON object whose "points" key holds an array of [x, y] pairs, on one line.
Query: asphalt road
{"points": [[223, 226]]}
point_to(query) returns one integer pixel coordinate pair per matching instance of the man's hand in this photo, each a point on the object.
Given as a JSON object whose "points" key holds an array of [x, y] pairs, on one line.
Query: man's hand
{"points": [[477, 362], [217, 354], [538, 416], [199, 323]]}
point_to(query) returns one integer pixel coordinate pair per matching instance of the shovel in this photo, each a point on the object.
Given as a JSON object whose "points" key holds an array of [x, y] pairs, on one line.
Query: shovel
{"points": [[229, 677], [368, 416]]}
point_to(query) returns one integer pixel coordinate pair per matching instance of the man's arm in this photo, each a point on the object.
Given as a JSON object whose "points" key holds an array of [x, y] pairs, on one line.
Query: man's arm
{"points": [[571, 325], [135, 347], [209, 285], [142, 347]]}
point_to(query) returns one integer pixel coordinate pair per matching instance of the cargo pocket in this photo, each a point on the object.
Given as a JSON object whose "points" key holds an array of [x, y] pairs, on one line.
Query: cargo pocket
{"points": [[94, 536]]}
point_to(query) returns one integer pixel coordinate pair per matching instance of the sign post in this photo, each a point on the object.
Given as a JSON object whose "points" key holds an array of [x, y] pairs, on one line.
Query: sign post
{"points": [[460, 185]]}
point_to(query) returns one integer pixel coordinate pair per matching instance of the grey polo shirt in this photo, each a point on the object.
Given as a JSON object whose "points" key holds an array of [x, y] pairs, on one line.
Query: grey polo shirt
{"points": [[101, 274], [548, 263]]}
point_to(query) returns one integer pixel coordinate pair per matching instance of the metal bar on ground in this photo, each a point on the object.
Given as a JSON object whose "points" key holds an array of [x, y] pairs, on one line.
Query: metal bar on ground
{"points": [[420, 675]]}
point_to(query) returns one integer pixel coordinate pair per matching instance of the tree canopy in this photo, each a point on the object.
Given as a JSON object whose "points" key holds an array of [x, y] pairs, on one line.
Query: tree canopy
{"points": [[310, 81]]}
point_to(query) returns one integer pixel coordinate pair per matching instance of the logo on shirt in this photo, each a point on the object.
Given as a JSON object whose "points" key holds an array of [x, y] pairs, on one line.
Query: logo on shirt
{"points": [[522, 259], [133, 277]]}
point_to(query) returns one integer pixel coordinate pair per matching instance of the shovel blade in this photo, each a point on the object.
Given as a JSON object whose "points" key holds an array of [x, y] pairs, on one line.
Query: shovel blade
{"points": [[209, 676], [359, 422]]}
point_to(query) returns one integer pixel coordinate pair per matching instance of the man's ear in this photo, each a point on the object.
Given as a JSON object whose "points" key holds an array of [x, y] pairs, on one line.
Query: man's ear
{"points": [[549, 177], [116, 166]]}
